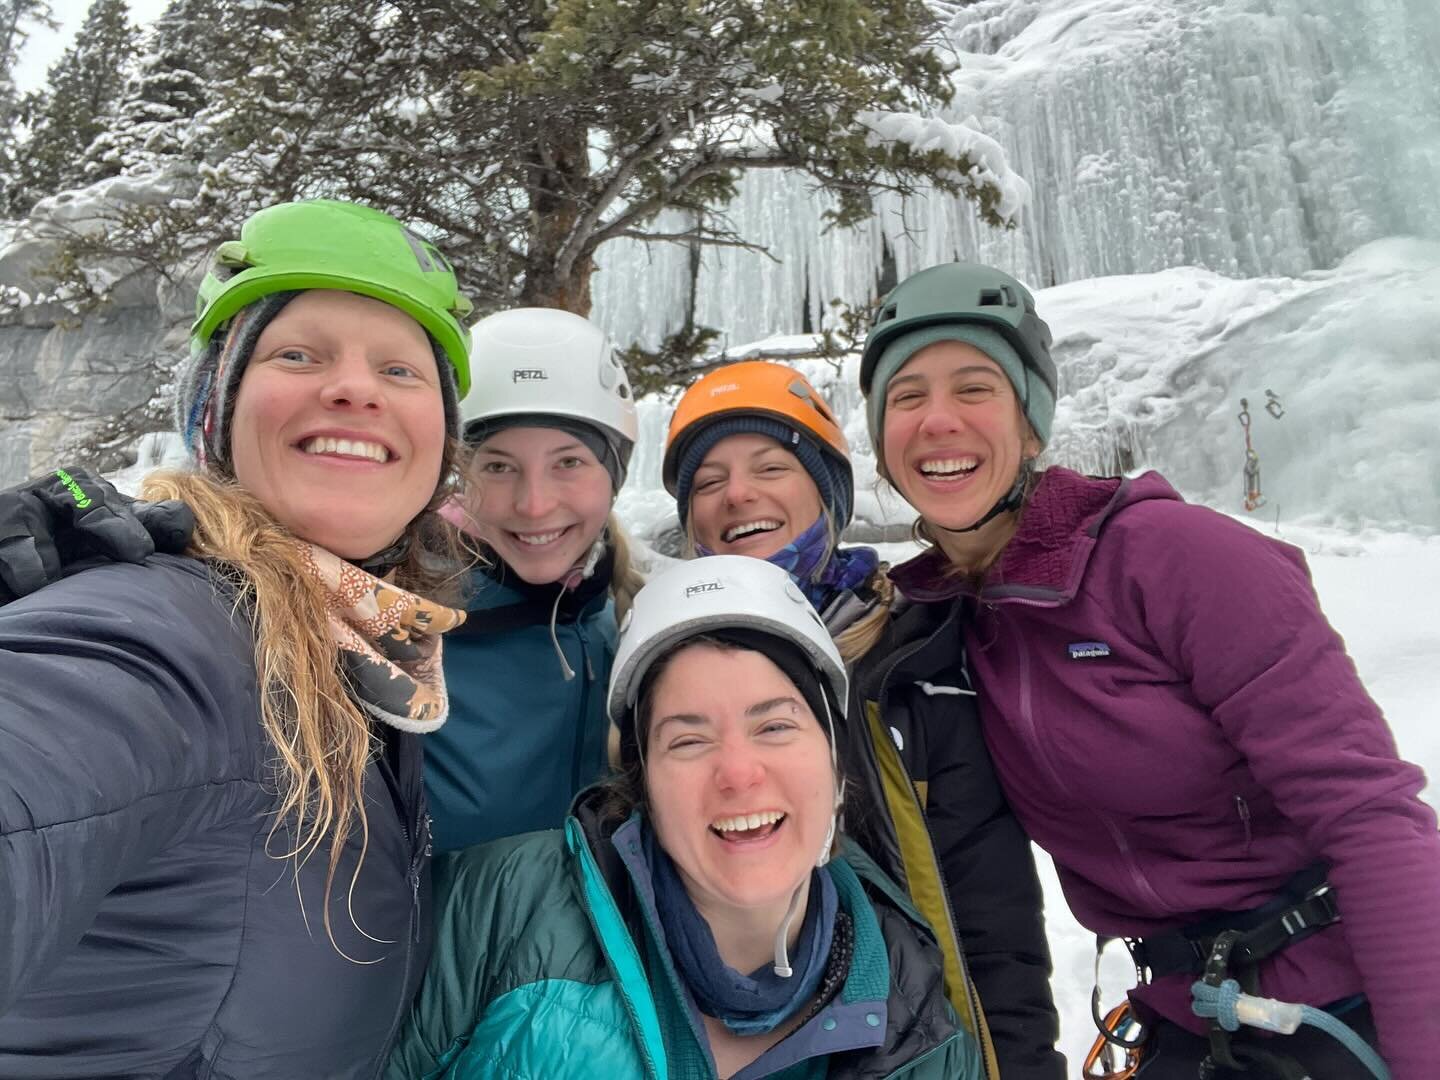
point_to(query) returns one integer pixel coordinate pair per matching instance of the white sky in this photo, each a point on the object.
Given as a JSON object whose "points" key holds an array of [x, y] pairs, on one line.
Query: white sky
{"points": [[44, 48]]}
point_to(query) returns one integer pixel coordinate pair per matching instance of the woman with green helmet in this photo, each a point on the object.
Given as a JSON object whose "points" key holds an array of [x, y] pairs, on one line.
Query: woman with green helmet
{"points": [[213, 846], [1170, 714]]}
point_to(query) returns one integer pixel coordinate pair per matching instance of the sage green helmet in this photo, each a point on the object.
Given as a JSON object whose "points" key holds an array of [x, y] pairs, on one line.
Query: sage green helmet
{"points": [[327, 244], [962, 293]]}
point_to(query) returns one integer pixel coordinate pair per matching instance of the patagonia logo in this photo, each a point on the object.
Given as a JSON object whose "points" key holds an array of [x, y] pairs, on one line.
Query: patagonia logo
{"points": [[1088, 650], [76, 491], [533, 374], [702, 587]]}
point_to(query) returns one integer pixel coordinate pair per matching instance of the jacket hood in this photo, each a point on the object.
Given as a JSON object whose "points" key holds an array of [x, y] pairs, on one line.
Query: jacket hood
{"points": [[1045, 560]]}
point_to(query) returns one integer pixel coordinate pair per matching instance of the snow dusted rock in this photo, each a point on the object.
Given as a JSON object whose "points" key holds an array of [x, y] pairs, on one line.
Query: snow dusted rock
{"points": [[62, 374]]}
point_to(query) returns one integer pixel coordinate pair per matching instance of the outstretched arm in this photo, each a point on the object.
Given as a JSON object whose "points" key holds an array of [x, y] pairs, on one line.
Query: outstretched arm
{"points": [[110, 685]]}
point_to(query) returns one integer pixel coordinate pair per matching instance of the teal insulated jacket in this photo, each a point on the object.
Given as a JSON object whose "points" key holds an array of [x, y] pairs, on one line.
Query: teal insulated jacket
{"points": [[521, 739], [540, 973]]}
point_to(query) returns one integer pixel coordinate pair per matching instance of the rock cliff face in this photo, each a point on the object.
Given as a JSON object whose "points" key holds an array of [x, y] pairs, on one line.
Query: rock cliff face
{"points": [[64, 377]]}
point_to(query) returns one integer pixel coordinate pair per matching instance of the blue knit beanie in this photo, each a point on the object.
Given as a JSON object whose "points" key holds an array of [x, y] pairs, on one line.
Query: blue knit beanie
{"points": [[832, 477]]}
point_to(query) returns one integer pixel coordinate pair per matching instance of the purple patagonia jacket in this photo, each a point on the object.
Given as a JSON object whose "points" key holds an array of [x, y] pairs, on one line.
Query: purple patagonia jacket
{"points": [[1175, 722]]}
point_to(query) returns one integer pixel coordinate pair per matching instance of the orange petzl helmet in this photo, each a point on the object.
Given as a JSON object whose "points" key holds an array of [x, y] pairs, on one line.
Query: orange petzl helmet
{"points": [[762, 391]]}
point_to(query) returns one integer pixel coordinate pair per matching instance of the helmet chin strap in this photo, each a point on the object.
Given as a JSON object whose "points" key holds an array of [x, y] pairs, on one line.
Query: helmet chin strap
{"points": [[1011, 500], [782, 948]]}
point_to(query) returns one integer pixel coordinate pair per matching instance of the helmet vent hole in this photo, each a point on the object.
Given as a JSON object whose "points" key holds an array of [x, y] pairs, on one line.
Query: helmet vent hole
{"points": [[991, 298], [886, 314]]}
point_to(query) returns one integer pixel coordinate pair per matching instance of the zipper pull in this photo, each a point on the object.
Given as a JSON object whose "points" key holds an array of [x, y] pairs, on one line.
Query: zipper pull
{"points": [[1243, 809]]}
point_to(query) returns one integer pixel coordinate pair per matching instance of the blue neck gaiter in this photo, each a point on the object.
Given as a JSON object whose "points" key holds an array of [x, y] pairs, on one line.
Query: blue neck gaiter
{"points": [[746, 1004], [848, 567]]}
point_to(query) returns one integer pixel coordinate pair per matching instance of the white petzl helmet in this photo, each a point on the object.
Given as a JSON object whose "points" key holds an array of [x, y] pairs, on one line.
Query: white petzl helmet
{"points": [[718, 592], [553, 363]]}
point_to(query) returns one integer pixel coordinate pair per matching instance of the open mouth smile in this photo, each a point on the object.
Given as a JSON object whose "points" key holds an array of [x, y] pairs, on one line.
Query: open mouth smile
{"points": [[330, 446], [749, 528], [743, 828], [959, 467], [539, 539]]}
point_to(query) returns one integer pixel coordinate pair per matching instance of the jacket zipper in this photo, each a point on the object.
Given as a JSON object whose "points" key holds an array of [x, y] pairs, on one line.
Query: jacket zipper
{"points": [[417, 853], [1243, 809], [582, 717]]}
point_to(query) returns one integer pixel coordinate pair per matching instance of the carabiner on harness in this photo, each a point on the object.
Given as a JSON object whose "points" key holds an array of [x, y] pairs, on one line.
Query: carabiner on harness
{"points": [[1117, 1053], [1112, 1035]]}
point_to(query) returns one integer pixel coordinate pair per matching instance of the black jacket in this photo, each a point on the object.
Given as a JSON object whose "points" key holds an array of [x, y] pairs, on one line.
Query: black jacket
{"points": [[927, 805], [147, 928]]}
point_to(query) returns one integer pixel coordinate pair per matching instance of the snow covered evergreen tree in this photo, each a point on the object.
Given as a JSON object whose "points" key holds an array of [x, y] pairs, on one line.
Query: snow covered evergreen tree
{"points": [[161, 99], [523, 135], [16, 19], [84, 86]]}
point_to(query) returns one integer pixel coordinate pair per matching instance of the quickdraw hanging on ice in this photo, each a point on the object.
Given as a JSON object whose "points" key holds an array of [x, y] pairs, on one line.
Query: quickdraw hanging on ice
{"points": [[1253, 498], [1272, 405]]}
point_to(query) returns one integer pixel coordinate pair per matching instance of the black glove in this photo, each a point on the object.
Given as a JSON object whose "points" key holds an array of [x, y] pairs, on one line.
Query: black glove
{"points": [[70, 516]]}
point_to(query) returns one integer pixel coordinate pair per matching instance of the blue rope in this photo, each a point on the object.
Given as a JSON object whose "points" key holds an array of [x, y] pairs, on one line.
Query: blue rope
{"points": [[1224, 1003]]}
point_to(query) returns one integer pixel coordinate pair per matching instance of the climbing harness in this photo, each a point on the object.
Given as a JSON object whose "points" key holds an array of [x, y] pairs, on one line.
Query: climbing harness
{"points": [[1253, 498], [1221, 1001], [1227, 950]]}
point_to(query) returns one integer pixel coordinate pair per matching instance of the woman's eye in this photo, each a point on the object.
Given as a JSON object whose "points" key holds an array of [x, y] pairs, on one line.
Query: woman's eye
{"points": [[494, 468], [904, 398], [295, 356], [706, 484], [977, 391], [775, 726], [401, 370], [570, 462]]}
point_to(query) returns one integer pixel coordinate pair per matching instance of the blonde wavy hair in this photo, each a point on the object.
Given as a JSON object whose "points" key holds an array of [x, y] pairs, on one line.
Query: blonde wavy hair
{"points": [[322, 739]]}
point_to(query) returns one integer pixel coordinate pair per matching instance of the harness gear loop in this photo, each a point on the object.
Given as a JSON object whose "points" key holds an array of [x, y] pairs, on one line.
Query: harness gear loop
{"points": [[1253, 498]]}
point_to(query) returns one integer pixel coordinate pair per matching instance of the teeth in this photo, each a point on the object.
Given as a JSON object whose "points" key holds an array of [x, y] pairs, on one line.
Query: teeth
{"points": [[949, 466], [324, 444], [746, 822], [536, 539], [737, 531]]}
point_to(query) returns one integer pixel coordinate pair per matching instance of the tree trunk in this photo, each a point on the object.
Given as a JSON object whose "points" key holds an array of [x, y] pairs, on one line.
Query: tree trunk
{"points": [[558, 167]]}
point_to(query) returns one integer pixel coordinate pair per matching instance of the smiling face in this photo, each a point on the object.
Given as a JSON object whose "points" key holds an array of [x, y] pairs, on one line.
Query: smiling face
{"points": [[954, 438], [339, 421], [739, 780], [540, 499], [751, 496]]}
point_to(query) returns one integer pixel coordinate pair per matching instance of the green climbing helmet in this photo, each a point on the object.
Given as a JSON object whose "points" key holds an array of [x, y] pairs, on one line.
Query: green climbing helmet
{"points": [[327, 244], [962, 293]]}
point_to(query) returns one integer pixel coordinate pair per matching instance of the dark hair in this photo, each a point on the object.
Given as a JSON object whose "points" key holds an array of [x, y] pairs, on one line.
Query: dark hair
{"points": [[624, 790]]}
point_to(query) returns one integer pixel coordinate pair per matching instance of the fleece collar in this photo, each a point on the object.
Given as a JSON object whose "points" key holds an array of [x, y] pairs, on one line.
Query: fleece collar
{"points": [[1045, 560]]}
